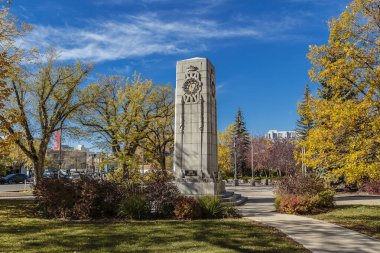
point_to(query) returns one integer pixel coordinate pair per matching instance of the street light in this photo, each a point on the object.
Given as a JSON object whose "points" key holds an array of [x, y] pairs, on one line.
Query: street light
{"points": [[236, 182], [60, 149], [142, 158], [252, 180]]}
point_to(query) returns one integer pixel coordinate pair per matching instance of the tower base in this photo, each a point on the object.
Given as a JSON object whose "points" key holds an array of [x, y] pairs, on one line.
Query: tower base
{"points": [[200, 188]]}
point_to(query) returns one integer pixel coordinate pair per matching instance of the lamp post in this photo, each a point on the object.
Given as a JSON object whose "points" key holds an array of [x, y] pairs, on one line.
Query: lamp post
{"points": [[236, 181], [142, 159], [60, 150], [252, 179], [93, 163]]}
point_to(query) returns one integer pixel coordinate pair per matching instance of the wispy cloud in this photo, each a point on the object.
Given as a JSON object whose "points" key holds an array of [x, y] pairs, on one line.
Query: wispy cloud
{"points": [[120, 2], [124, 70], [147, 34]]}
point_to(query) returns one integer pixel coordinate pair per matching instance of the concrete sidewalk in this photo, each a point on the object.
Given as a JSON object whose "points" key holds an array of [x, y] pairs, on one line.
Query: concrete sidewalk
{"points": [[315, 235]]}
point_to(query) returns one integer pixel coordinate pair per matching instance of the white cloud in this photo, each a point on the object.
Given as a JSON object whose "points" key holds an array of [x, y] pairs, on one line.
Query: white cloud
{"points": [[142, 35]]}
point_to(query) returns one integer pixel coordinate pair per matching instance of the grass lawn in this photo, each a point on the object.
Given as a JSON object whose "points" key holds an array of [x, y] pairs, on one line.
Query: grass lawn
{"points": [[21, 231], [364, 219]]}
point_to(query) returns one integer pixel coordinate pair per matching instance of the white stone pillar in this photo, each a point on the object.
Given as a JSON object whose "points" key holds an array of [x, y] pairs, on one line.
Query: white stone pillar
{"points": [[195, 142]]}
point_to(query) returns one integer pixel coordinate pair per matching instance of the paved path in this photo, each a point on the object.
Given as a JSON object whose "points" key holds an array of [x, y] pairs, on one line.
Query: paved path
{"points": [[315, 235]]}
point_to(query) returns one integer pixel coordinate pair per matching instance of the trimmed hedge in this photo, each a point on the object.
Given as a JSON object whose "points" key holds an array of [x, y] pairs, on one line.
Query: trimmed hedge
{"points": [[157, 197]]}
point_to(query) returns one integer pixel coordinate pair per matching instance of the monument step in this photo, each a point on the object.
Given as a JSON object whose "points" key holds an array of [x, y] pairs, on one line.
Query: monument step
{"points": [[227, 194], [233, 199]]}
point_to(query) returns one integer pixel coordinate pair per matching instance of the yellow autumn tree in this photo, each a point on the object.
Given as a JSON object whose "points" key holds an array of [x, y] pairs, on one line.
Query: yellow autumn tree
{"points": [[345, 138], [10, 56], [225, 150], [127, 114]]}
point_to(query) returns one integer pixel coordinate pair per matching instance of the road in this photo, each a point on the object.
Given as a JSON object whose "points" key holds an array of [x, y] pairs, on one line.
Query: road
{"points": [[15, 187]]}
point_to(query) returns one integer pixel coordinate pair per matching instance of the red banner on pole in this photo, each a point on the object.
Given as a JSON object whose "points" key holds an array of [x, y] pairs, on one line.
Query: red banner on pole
{"points": [[57, 140]]}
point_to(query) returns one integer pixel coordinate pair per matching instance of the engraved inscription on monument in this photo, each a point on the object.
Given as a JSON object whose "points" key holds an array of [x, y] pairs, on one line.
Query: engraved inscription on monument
{"points": [[191, 173], [195, 150]]}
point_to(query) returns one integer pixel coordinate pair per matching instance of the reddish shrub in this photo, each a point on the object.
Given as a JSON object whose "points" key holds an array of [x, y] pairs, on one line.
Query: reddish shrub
{"points": [[187, 208], [81, 199], [300, 185], [303, 194], [373, 187], [97, 199], [56, 197], [162, 195]]}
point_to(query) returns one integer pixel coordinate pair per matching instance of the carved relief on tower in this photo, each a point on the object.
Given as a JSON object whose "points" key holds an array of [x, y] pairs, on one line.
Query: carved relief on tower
{"points": [[212, 83], [192, 85]]}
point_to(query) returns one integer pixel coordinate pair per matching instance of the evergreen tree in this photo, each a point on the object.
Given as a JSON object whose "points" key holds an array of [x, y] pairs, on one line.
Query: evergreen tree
{"points": [[242, 142], [305, 122]]}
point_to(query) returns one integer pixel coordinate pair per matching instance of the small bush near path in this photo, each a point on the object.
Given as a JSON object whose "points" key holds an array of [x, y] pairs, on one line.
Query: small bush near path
{"points": [[22, 231], [363, 219], [212, 207], [301, 194], [207, 207], [373, 187], [187, 208]]}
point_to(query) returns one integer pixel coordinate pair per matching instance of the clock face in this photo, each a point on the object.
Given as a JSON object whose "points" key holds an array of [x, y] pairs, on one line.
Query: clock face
{"points": [[191, 86]]}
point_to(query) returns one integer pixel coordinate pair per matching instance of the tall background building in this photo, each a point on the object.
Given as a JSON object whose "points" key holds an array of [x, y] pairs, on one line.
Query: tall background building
{"points": [[275, 134]]}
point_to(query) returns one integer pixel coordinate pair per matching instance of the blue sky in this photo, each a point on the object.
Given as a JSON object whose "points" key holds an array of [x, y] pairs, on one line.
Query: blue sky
{"points": [[258, 47]]}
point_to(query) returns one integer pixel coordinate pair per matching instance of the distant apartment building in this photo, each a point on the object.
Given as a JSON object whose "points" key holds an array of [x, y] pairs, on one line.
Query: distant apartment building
{"points": [[275, 134]]}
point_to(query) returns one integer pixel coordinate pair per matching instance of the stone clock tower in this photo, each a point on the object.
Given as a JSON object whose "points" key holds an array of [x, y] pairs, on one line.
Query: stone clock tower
{"points": [[195, 145]]}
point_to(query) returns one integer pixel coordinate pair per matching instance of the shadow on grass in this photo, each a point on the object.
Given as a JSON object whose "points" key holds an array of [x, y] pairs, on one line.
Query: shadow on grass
{"points": [[361, 197], [361, 218], [20, 231]]}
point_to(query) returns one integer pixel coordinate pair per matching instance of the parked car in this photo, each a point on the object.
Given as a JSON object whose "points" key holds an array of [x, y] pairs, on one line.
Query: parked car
{"points": [[50, 174], [74, 176], [13, 179]]}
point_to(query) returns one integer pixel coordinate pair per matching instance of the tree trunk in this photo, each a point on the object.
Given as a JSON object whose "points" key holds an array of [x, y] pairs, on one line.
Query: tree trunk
{"points": [[38, 172], [163, 164], [125, 171]]}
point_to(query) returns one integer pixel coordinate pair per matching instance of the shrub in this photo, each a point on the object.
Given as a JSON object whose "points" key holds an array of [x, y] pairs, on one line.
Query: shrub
{"points": [[303, 194], [291, 204], [211, 206], [134, 207], [162, 195], [98, 199], [81, 199], [299, 185], [56, 197], [373, 187], [231, 211], [187, 208]]}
